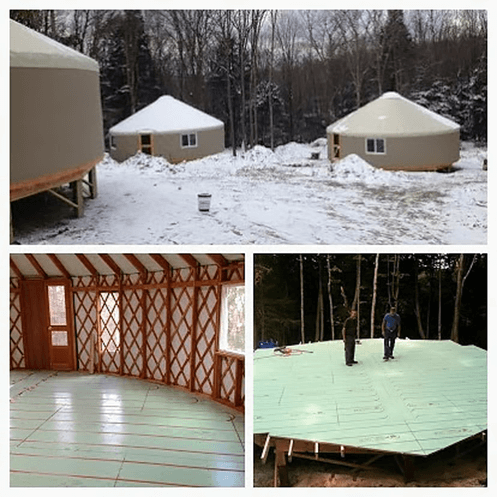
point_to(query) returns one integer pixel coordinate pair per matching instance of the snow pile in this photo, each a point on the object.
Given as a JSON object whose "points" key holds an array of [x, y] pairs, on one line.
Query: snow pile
{"points": [[355, 168], [257, 199]]}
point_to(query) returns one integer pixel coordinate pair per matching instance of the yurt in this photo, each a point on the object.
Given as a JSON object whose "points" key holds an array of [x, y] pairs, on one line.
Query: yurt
{"points": [[168, 128], [392, 132], [56, 130], [127, 369]]}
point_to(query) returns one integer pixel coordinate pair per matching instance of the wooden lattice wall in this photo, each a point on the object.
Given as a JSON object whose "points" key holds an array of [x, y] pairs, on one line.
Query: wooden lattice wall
{"points": [[161, 326]]}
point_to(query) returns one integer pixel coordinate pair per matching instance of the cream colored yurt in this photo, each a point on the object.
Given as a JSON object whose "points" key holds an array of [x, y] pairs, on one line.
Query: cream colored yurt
{"points": [[392, 132], [168, 128], [56, 129]]}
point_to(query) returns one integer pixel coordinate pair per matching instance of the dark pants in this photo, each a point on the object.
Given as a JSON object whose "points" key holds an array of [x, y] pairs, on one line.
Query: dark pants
{"points": [[389, 342], [349, 349]]}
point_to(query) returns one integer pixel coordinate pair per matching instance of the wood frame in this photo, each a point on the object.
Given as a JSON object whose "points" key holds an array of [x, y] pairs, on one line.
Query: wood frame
{"points": [[169, 322]]}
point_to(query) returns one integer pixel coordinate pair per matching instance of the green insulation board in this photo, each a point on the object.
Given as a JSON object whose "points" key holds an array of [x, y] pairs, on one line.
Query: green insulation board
{"points": [[72, 429], [433, 394]]}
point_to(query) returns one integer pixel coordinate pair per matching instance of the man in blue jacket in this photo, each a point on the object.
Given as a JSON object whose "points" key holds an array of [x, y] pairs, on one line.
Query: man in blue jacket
{"points": [[391, 329]]}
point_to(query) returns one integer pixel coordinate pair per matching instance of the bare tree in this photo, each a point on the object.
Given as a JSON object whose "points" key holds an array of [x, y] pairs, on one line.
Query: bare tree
{"points": [[417, 309], [302, 333], [375, 287], [224, 25], [330, 298], [460, 279], [354, 28]]}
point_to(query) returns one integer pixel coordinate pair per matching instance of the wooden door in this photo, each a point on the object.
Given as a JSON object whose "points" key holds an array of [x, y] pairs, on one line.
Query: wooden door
{"points": [[34, 319], [60, 326], [48, 325]]}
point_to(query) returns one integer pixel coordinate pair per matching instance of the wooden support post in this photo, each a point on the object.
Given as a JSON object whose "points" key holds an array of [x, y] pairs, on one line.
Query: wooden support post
{"points": [[265, 450], [408, 466], [11, 225], [290, 451], [78, 185], [92, 182], [280, 468]]}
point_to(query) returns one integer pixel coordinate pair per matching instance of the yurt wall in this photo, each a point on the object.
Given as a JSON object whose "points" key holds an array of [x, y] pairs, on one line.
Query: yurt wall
{"points": [[161, 325]]}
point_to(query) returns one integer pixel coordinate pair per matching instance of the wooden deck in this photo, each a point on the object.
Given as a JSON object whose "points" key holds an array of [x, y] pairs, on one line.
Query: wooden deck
{"points": [[432, 395], [73, 429]]}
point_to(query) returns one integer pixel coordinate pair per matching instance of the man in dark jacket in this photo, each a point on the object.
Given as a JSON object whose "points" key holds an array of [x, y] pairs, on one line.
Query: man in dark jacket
{"points": [[348, 334], [391, 329]]}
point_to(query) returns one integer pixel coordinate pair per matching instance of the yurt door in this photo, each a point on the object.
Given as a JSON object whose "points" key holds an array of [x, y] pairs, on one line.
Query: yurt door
{"points": [[60, 329], [34, 324]]}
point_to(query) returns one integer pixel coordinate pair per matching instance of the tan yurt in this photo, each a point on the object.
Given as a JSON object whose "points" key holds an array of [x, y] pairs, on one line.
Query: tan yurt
{"points": [[56, 129], [168, 128], [392, 132]]}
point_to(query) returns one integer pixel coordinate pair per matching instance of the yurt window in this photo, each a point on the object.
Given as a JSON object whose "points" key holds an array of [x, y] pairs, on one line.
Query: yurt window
{"points": [[232, 333], [146, 144], [375, 145], [189, 140]]}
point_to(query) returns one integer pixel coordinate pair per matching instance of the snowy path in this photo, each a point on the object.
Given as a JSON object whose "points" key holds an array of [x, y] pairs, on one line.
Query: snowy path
{"points": [[267, 198]]}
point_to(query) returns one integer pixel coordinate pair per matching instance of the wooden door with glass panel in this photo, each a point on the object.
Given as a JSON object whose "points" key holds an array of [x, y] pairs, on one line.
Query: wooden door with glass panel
{"points": [[60, 326]]}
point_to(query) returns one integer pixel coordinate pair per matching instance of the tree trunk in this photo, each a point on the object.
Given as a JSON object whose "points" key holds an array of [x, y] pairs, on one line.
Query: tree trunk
{"points": [[440, 303], [302, 333], [356, 302], [416, 299], [454, 336], [274, 15], [375, 285], [330, 298]]}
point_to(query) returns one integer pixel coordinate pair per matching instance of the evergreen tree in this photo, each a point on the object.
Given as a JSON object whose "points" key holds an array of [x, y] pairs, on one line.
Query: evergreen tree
{"points": [[397, 52]]}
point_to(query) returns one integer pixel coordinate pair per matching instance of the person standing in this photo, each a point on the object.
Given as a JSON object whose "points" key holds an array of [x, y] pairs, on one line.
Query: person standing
{"points": [[391, 330], [348, 335]]}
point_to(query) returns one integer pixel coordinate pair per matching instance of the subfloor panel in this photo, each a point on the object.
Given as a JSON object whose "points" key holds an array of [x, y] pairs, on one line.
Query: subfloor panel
{"points": [[72, 429], [432, 395]]}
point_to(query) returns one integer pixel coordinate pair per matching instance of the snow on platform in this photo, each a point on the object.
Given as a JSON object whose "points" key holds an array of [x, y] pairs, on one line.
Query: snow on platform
{"points": [[432, 395]]}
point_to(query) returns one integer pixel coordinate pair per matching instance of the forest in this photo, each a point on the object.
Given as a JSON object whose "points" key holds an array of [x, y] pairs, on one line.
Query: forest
{"points": [[277, 76], [300, 298]]}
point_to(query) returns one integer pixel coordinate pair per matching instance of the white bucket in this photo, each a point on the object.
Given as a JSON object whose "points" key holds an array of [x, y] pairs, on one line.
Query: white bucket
{"points": [[204, 202]]}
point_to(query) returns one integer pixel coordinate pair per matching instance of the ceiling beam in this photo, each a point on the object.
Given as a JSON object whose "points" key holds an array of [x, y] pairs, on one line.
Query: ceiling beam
{"points": [[161, 261], [189, 259], [111, 263], [219, 259], [32, 259], [16, 270], [88, 265], [58, 263], [136, 262]]}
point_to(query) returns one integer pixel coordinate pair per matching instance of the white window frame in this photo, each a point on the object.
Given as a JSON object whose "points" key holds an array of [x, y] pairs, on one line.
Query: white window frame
{"points": [[376, 140], [224, 321], [189, 137]]}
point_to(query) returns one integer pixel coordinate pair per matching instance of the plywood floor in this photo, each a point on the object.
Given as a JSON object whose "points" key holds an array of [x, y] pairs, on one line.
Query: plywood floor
{"points": [[432, 395], [71, 429]]}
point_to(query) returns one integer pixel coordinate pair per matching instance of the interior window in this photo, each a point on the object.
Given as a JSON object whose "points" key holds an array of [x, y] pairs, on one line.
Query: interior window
{"points": [[232, 335]]}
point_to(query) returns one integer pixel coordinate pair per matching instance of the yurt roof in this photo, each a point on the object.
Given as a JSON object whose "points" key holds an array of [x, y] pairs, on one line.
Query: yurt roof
{"points": [[166, 115], [31, 49], [87, 264], [392, 115]]}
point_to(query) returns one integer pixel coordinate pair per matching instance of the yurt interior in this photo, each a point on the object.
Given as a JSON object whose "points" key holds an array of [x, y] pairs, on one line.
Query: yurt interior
{"points": [[127, 370]]}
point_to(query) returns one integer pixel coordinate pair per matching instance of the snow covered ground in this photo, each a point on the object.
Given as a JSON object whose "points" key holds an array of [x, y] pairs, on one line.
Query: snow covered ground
{"points": [[266, 198]]}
